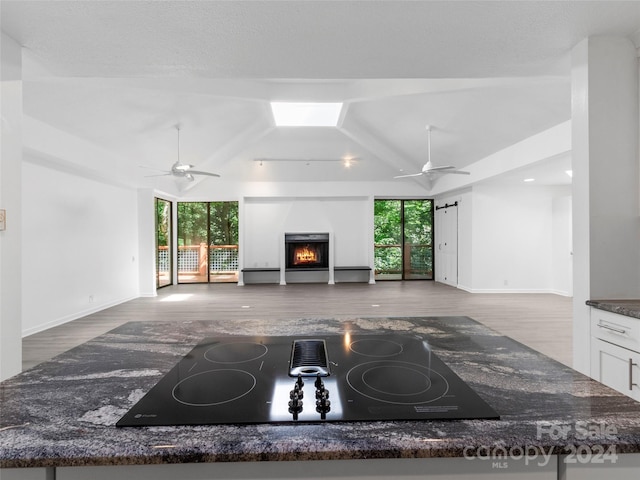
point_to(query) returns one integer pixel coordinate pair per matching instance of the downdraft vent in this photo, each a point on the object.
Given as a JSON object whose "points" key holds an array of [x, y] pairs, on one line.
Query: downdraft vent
{"points": [[309, 358]]}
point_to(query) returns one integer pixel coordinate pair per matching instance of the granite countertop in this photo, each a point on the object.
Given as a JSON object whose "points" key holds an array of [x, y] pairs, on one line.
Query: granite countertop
{"points": [[63, 412], [630, 308]]}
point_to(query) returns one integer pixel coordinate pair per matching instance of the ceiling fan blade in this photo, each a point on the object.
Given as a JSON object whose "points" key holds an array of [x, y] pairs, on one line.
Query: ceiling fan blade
{"points": [[438, 173], [159, 175], [435, 169], [198, 172], [410, 175]]}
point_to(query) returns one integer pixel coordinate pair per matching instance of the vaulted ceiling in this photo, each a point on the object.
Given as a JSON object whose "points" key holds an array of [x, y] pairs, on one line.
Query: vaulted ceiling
{"points": [[121, 75]]}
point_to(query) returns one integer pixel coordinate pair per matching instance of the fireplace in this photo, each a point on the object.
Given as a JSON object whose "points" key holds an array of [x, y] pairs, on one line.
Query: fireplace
{"points": [[306, 251]]}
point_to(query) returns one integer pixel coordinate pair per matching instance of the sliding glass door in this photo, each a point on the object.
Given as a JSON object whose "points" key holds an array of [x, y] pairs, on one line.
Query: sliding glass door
{"points": [[388, 239], [223, 242], [207, 242], [164, 232], [418, 239], [403, 236], [193, 251]]}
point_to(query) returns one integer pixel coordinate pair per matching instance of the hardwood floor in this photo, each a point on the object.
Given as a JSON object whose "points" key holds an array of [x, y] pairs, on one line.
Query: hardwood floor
{"points": [[540, 321]]}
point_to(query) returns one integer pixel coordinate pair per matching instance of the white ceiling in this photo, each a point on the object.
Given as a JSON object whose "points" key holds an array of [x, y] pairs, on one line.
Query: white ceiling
{"points": [[122, 74]]}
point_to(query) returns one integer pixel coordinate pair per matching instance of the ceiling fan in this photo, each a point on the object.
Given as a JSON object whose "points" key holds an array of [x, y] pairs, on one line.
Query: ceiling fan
{"points": [[183, 170], [428, 168]]}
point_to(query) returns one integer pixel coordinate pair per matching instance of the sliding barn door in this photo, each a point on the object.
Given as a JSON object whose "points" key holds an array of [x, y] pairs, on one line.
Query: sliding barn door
{"points": [[447, 245]]}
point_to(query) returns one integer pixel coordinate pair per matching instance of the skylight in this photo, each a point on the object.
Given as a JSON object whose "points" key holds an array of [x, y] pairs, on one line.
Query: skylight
{"points": [[291, 114]]}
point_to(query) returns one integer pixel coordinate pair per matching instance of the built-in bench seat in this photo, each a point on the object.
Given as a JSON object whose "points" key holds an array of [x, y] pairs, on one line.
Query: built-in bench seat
{"points": [[352, 273], [352, 268], [261, 269], [261, 275], [342, 274]]}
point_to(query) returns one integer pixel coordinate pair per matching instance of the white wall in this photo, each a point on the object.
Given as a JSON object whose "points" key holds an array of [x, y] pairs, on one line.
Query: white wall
{"points": [[562, 246], [510, 239], [147, 242], [265, 220], [80, 244], [222, 190], [10, 200]]}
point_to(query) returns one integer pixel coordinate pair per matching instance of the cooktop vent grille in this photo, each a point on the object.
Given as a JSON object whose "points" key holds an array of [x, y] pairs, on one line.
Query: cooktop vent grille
{"points": [[309, 358]]}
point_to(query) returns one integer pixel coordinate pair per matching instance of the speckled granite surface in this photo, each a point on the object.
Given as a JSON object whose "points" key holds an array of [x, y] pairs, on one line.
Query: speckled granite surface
{"points": [[63, 412], [630, 308]]}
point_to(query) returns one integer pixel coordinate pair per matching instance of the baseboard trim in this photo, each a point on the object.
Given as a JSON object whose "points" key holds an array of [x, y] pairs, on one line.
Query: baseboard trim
{"points": [[74, 316], [514, 290]]}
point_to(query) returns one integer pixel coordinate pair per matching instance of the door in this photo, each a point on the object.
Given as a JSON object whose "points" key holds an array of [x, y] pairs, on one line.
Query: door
{"points": [[223, 242], [193, 249], [447, 244], [403, 239], [417, 221], [164, 255]]}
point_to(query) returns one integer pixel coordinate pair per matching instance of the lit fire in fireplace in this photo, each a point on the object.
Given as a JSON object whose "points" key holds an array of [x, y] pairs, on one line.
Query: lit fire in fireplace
{"points": [[304, 254]]}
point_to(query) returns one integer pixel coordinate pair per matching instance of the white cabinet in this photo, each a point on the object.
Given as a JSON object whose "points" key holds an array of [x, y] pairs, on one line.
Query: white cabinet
{"points": [[615, 351], [624, 467], [371, 469]]}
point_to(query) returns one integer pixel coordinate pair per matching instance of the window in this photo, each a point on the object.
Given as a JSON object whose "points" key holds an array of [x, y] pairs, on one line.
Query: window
{"points": [[207, 242], [403, 239]]}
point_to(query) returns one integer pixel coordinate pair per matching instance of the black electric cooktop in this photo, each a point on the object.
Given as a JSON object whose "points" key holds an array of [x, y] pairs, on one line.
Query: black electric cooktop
{"points": [[307, 379]]}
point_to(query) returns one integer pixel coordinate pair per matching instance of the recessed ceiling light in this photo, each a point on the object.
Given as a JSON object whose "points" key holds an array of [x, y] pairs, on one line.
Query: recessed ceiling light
{"points": [[529, 179], [291, 114], [569, 172], [347, 162]]}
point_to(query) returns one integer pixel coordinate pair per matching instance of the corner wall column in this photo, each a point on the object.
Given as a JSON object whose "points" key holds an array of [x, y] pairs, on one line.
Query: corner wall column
{"points": [[605, 119], [146, 243], [11, 203]]}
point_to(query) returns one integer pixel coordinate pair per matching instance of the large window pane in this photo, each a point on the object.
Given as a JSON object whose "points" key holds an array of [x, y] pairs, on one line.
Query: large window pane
{"points": [[403, 237], [192, 242], [164, 256], [418, 236], [388, 239], [223, 241]]}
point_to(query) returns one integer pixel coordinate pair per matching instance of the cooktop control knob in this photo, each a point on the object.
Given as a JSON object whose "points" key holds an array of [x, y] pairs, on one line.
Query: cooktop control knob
{"points": [[295, 406], [296, 392], [322, 393], [323, 405]]}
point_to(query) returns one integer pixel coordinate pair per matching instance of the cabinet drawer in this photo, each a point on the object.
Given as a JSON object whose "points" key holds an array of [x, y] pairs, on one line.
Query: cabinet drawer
{"points": [[618, 329]]}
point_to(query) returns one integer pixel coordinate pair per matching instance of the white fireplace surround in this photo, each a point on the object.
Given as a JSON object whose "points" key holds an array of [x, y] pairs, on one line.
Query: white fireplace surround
{"points": [[265, 220]]}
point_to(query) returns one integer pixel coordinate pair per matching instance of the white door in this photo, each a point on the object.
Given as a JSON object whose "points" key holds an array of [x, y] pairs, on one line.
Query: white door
{"points": [[447, 245]]}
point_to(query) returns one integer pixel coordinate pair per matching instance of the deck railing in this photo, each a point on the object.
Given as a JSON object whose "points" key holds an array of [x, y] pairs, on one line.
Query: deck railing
{"points": [[418, 259], [193, 258]]}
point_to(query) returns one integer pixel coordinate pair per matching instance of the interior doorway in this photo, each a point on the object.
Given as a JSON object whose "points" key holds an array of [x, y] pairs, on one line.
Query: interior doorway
{"points": [[447, 244]]}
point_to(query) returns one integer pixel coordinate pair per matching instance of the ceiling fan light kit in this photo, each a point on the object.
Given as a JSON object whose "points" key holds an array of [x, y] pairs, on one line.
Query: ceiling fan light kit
{"points": [[428, 168]]}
